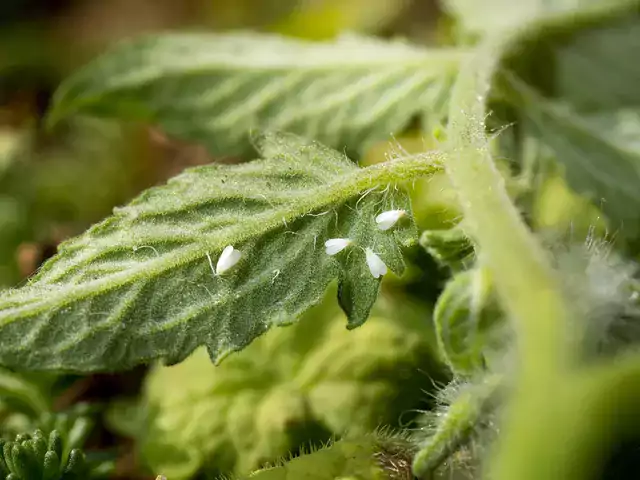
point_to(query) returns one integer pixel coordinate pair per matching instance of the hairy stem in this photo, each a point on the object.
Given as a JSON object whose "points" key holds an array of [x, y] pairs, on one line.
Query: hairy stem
{"points": [[525, 281], [527, 286], [456, 425]]}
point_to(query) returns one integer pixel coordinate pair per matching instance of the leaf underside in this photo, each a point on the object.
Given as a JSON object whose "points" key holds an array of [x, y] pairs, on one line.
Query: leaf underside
{"points": [[139, 286], [215, 88]]}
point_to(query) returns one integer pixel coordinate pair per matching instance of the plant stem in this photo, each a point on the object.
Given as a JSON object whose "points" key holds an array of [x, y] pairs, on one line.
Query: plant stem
{"points": [[525, 281], [588, 414]]}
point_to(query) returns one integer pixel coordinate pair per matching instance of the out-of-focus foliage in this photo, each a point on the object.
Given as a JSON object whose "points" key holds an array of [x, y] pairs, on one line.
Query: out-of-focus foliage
{"points": [[292, 388], [50, 191], [598, 161], [558, 209], [450, 247], [23, 396], [376, 457], [213, 89], [328, 18], [588, 126], [37, 456], [466, 316]]}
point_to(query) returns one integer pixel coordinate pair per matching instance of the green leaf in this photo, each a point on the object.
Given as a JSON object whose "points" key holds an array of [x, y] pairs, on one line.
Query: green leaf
{"points": [[557, 62], [215, 88], [450, 247], [465, 318], [29, 457], [140, 285], [293, 386], [585, 108], [601, 161]]}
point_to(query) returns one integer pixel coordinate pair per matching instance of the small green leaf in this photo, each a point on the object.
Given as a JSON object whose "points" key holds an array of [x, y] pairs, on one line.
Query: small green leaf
{"points": [[29, 459], [215, 88], [55, 443], [450, 247], [4, 469], [23, 463], [78, 432], [76, 466], [50, 466], [465, 315], [6, 453], [39, 445], [141, 285]]}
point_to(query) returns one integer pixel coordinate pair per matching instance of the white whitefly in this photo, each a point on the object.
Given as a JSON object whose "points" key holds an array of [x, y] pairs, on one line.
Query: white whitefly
{"points": [[388, 219], [336, 245], [228, 258], [375, 263]]}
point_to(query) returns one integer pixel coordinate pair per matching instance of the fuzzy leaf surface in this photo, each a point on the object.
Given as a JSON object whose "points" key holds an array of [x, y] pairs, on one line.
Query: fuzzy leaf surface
{"points": [[140, 286], [215, 88]]}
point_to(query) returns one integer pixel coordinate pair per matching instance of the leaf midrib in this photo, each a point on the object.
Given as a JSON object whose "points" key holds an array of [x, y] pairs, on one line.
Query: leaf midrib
{"points": [[339, 190], [437, 60]]}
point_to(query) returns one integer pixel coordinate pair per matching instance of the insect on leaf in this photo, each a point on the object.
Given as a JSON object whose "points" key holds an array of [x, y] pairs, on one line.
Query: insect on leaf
{"points": [[141, 285]]}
